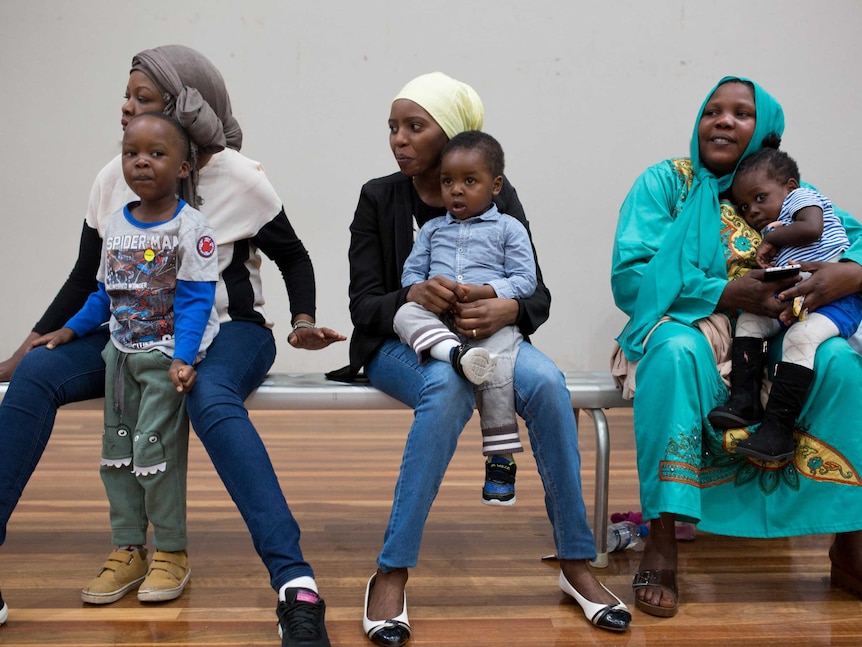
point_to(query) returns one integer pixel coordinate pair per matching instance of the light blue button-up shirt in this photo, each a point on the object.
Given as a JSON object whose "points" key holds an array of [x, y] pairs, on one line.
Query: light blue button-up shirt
{"points": [[492, 248]]}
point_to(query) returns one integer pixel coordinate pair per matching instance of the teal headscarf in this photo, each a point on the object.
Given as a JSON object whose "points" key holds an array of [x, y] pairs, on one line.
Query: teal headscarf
{"points": [[686, 277]]}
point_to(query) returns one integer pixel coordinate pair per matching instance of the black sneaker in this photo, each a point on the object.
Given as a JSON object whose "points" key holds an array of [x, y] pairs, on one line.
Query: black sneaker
{"points": [[4, 610], [499, 481], [300, 619]]}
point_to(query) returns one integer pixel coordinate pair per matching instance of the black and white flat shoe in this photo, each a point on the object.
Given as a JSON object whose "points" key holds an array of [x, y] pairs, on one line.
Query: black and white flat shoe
{"points": [[613, 617], [386, 633]]}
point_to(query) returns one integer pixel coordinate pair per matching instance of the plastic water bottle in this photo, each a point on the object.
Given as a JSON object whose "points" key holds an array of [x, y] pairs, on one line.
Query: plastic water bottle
{"points": [[625, 534]]}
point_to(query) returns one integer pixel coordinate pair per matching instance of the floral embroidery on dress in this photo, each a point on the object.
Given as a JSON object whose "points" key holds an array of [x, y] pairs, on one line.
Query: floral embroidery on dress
{"points": [[740, 242], [814, 460], [705, 457], [682, 166]]}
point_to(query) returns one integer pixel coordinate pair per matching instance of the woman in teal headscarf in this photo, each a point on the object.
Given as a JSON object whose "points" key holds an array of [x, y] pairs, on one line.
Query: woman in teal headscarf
{"points": [[682, 254]]}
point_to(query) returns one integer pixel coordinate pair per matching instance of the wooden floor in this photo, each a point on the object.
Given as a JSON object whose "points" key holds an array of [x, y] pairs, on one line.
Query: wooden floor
{"points": [[479, 581]]}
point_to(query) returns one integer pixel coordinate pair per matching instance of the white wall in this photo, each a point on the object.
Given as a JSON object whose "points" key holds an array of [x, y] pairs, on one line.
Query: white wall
{"points": [[582, 95]]}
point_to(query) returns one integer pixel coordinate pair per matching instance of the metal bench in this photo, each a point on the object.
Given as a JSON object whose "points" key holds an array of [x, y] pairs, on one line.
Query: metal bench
{"points": [[592, 391]]}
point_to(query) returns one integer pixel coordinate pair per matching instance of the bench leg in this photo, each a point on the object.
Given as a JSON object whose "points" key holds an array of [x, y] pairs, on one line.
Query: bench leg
{"points": [[600, 513]]}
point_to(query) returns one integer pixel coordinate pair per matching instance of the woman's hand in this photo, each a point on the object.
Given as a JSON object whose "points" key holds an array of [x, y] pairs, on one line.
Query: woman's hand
{"points": [[438, 294], [8, 366], [53, 339], [482, 318], [313, 338], [752, 294], [828, 282]]}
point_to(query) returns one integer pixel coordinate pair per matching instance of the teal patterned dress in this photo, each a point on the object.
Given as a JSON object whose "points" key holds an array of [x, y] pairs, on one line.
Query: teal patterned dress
{"points": [[685, 466]]}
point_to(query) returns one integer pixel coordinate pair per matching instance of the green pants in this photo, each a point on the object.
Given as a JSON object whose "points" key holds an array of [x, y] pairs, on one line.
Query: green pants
{"points": [[144, 450]]}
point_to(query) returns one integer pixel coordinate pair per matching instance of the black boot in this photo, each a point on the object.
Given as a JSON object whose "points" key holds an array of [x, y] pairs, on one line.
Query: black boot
{"points": [[743, 408], [773, 440]]}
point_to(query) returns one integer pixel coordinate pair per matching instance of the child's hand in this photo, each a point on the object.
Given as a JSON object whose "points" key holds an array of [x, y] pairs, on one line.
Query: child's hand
{"points": [[182, 375], [468, 295], [437, 294], [53, 339], [766, 254], [788, 317], [474, 292]]}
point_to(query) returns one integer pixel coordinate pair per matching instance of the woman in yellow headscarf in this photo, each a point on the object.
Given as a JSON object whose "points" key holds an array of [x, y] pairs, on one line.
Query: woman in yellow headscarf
{"points": [[423, 116]]}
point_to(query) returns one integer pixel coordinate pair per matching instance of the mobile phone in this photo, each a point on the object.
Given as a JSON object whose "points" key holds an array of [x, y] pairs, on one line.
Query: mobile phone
{"points": [[782, 272]]}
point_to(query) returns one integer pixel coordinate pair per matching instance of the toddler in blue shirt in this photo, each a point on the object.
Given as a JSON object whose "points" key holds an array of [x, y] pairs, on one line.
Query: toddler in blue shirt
{"points": [[487, 254]]}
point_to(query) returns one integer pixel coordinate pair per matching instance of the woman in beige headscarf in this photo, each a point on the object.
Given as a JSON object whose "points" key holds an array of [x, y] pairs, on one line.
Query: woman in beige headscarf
{"points": [[247, 217], [423, 116]]}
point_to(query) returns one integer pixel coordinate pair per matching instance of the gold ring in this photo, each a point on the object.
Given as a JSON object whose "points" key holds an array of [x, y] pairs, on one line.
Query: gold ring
{"points": [[474, 333]]}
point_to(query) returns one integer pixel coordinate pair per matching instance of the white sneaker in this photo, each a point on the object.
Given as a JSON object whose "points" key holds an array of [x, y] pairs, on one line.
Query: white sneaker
{"points": [[476, 365]]}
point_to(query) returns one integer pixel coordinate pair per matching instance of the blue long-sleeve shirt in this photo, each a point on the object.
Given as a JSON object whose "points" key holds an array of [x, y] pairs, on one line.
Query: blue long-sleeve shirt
{"points": [[492, 248], [192, 305]]}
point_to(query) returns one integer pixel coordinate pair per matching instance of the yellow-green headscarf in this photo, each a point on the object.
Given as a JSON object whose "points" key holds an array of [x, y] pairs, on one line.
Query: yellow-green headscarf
{"points": [[687, 276], [454, 105]]}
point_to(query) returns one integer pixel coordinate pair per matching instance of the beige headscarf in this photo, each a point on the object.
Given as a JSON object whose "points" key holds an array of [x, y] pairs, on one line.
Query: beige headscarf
{"points": [[198, 98], [454, 105]]}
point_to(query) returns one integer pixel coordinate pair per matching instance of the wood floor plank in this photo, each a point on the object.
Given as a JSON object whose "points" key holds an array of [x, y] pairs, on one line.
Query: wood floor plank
{"points": [[479, 581]]}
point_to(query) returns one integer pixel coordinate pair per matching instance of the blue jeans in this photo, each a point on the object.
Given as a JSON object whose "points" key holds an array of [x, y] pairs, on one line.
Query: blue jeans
{"points": [[235, 365], [443, 404], [44, 380]]}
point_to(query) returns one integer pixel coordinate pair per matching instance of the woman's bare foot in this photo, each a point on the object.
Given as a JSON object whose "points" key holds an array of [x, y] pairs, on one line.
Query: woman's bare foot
{"points": [[579, 576], [386, 598], [660, 554]]}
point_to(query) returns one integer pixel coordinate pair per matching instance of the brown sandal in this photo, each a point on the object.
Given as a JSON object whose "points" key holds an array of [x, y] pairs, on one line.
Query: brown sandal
{"points": [[665, 579]]}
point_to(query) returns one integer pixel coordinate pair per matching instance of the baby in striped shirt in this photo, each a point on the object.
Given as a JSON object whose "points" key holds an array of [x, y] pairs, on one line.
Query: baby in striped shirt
{"points": [[798, 224]]}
